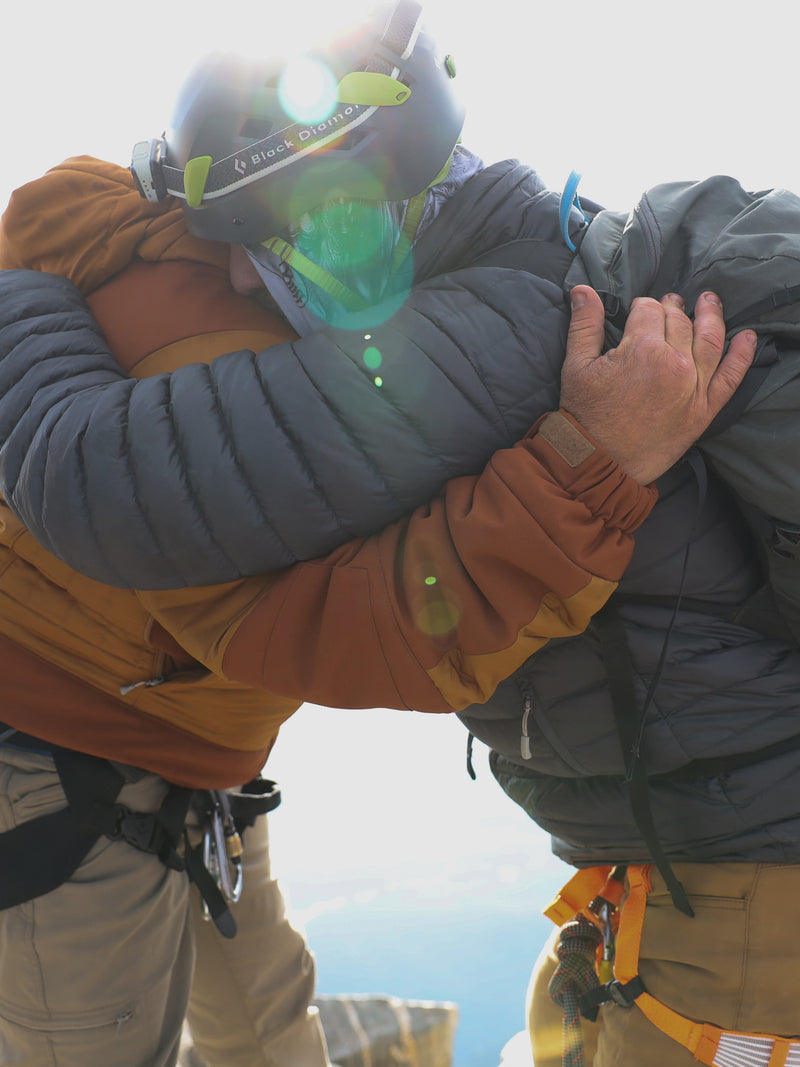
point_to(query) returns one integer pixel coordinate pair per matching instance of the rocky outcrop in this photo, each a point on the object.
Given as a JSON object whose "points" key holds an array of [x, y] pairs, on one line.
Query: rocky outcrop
{"points": [[371, 1031], [367, 1031]]}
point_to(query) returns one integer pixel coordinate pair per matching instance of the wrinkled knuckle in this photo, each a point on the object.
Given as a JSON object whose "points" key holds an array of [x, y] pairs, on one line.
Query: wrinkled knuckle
{"points": [[709, 337]]}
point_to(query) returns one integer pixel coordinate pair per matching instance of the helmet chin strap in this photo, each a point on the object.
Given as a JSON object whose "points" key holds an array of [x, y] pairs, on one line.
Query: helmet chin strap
{"points": [[350, 300]]}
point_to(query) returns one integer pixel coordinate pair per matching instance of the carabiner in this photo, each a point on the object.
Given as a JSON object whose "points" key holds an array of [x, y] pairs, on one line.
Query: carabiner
{"points": [[222, 849]]}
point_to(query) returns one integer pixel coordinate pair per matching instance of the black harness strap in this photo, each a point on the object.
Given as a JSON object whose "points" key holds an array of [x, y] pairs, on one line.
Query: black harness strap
{"points": [[630, 721], [209, 890], [40, 855], [616, 655]]}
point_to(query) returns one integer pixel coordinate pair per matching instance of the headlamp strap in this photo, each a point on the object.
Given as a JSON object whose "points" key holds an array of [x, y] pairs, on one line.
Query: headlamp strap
{"points": [[155, 179]]}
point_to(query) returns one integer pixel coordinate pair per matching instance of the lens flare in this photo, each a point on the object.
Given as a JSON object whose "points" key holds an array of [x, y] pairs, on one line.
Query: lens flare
{"points": [[438, 618], [372, 358], [307, 90], [359, 243]]}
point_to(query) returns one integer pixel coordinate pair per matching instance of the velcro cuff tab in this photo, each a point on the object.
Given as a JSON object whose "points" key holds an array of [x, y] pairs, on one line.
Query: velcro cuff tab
{"points": [[565, 437]]}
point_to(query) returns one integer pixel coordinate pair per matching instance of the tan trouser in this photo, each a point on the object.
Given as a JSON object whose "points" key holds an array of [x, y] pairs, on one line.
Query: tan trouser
{"points": [[736, 964], [100, 971]]}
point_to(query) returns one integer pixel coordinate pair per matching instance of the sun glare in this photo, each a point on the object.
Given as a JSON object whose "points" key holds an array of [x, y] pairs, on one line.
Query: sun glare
{"points": [[307, 90]]}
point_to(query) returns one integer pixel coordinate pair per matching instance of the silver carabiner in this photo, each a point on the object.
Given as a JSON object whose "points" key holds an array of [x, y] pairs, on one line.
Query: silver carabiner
{"points": [[229, 849], [222, 850]]}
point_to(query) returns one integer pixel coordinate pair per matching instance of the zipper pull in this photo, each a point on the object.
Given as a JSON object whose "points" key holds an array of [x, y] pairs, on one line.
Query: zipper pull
{"points": [[525, 741], [148, 682], [123, 1017]]}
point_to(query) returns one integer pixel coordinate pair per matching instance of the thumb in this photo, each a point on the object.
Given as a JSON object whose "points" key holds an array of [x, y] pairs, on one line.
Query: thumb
{"points": [[586, 336]]}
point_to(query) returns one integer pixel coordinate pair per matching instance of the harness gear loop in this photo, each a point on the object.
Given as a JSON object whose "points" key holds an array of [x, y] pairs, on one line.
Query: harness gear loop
{"points": [[215, 865]]}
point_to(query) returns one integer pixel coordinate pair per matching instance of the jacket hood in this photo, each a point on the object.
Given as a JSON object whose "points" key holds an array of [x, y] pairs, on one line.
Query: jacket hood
{"points": [[85, 220]]}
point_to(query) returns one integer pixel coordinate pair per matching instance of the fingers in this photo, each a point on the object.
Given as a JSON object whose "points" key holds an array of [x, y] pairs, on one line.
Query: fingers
{"points": [[723, 374], [709, 333], [646, 318], [728, 376], [678, 328], [663, 320]]}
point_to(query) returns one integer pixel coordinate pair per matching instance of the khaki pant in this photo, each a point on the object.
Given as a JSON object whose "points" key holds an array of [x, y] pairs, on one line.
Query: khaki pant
{"points": [[104, 969], [736, 964]]}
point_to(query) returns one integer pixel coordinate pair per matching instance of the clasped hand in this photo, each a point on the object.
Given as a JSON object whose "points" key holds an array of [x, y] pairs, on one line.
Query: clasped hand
{"points": [[649, 399]]}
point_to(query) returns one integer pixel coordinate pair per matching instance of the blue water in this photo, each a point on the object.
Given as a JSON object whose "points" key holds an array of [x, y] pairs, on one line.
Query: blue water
{"points": [[468, 952], [410, 879]]}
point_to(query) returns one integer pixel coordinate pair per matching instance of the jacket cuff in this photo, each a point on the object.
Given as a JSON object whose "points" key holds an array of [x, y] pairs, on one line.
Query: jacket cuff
{"points": [[583, 468], [567, 437]]}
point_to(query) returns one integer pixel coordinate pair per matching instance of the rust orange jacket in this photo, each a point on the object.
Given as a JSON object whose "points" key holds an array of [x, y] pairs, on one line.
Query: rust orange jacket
{"points": [[430, 614]]}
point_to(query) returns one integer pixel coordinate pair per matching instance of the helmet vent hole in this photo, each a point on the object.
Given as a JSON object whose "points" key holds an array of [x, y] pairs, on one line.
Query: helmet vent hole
{"points": [[255, 128]]}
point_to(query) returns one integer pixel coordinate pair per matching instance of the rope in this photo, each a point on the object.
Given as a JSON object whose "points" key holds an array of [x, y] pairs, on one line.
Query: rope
{"points": [[574, 975]]}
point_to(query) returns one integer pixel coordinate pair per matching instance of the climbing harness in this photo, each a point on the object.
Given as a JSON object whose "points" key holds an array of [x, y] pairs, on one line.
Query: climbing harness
{"points": [[39, 855], [587, 892]]}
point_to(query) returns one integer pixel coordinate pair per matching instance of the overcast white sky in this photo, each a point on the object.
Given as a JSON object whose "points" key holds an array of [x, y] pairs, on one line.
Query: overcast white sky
{"points": [[627, 93]]}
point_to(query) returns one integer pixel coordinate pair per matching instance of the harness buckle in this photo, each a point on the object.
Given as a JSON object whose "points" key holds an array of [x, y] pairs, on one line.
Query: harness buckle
{"points": [[137, 829], [620, 994]]}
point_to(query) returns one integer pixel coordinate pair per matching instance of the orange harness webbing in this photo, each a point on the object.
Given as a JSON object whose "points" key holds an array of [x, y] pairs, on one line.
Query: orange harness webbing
{"points": [[708, 1044]]}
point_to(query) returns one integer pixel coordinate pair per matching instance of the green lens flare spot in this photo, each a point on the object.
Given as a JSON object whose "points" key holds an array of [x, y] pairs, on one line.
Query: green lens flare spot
{"points": [[194, 179], [372, 358], [450, 66], [379, 382], [438, 618], [430, 580]]}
